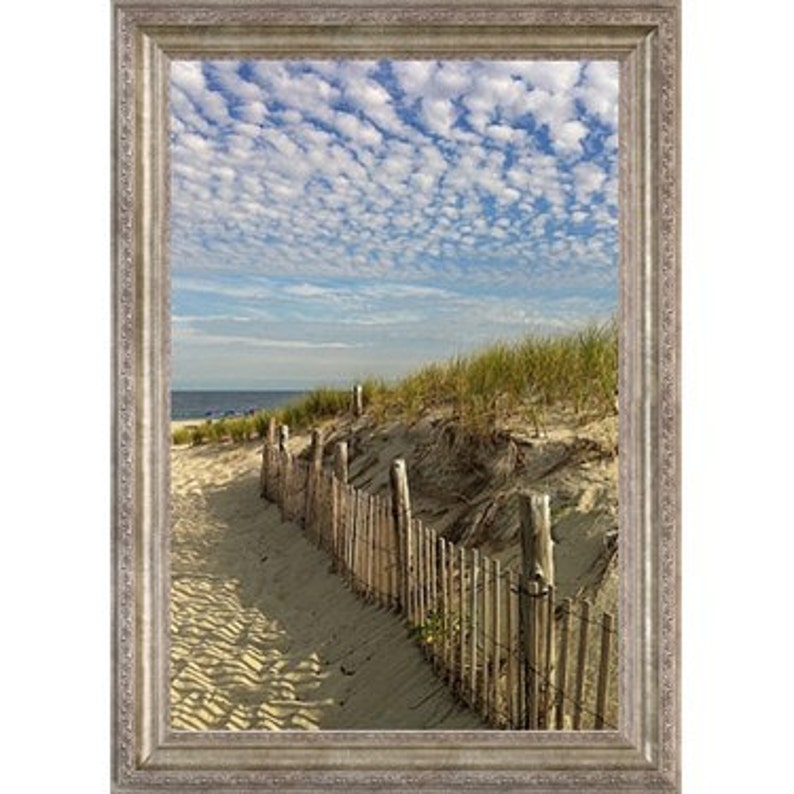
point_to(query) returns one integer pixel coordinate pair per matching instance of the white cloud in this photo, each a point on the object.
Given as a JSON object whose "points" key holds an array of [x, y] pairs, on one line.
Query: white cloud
{"points": [[588, 179], [599, 90], [321, 171]]}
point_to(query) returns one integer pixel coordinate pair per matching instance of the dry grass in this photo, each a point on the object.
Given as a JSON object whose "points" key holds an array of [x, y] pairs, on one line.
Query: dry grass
{"points": [[531, 377]]}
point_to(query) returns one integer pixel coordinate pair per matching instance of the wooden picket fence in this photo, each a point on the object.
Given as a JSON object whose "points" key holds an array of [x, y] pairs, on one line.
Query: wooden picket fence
{"points": [[496, 636]]}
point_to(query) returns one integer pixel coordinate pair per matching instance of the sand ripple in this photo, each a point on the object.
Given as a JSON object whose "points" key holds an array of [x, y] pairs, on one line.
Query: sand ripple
{"points": [[263, 636]]}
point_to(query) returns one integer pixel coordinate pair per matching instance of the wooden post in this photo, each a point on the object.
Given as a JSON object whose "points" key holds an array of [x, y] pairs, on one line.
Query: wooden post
{"points": [[463, 621], [496, 643], [358, 400], [443, 613], [341, 461], [547, 656], [452, 615], [532, 662], [562, 668], [311, 509], [434, 599], [267, 456], [401, 515], [336, 509], [603, 670], [485, 600], [581, 665], [358, 542], [537, 567], [383, 552], [511, 600], [537, 546], [370, 502], [350, 524], [475, 628], [377, 589], [284, 470]]}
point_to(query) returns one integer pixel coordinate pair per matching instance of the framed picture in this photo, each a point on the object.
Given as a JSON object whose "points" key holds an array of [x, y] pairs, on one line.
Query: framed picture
{"points": [[396, 422]]}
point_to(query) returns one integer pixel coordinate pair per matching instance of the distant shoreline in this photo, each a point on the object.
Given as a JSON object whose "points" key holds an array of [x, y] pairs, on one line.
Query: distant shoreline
{"points": [[197, 405]]}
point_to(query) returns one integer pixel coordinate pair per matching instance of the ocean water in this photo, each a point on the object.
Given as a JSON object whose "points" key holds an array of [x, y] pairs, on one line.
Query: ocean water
{"points": [[212, 404]]}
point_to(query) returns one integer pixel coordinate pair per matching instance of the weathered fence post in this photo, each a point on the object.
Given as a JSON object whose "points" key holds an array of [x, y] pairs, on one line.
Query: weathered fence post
{"points": [[537, 546], [314, 473], [340, 461], [581, 665], [537, 567], [358, 400], [496, 643], [475, 624], [284, 470], [562, 670], [401, 514], [268, 450], [338, 504], [602, 687], [485, 633], [530, 648], [513, 678]]}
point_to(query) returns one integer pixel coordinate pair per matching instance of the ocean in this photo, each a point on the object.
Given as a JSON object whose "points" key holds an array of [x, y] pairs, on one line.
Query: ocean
{"points": [[212, 404]]}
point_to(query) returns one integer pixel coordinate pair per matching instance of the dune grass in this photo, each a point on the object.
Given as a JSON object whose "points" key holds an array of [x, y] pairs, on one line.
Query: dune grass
{"points": [[530, 378], [577, 372]]}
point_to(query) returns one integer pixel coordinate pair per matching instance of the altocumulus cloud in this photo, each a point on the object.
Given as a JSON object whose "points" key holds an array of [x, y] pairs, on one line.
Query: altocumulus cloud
{"points": [[334, 219]]}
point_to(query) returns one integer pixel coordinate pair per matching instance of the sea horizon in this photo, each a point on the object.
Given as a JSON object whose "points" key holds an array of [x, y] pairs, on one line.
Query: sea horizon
{"points": [[214, 403]]}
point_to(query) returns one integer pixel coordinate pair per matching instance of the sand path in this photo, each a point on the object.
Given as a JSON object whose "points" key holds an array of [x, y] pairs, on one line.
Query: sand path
{"points": [[263, 636]]}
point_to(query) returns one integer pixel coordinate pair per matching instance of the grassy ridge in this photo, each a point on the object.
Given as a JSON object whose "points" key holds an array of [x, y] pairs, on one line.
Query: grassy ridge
{"points": [[577, 372]]}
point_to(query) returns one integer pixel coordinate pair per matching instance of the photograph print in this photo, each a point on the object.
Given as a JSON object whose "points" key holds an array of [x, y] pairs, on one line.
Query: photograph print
{"points": [[394, 356]]}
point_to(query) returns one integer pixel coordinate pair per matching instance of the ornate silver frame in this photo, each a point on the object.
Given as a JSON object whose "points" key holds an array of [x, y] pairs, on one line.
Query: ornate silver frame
{"points": [[644, 754]]}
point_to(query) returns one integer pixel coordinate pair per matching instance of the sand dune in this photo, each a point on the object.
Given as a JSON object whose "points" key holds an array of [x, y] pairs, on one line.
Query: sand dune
{"points": [[263, 635]]}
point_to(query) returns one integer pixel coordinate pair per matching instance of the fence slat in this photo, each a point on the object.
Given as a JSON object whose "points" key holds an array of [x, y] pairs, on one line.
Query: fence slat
{"points": [[391, 546], [419, 572], [474, 617], [444, 611], [581, 665], [496, 643], [462, 612], [511, 613], [434, 598], [370, 547], [401, 511], [547, 657], [485, 600], [603, 670], [562, 666], [532, 665], [350, 532], [312, 484]]}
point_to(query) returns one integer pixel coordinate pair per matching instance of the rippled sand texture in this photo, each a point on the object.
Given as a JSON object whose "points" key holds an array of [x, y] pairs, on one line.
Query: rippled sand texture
{"points": [[263, 636]]}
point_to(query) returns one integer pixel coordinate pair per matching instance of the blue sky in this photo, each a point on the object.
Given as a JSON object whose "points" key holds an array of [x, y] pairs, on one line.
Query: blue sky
{"points": [[333, 220]]}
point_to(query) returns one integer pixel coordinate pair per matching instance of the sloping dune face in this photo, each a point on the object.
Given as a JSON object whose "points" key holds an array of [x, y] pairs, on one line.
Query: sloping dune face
{"points": [[263, 635]]}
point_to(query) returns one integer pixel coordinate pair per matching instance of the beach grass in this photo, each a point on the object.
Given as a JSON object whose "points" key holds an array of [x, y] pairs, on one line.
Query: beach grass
{"points": [[529, 378]]}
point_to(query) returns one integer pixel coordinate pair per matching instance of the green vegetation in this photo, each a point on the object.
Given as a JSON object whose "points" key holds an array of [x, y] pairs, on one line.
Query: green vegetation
{"points": [[530, 378]]}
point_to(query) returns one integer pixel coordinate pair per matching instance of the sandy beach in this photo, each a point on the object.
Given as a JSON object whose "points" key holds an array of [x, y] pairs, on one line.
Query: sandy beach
{"points": [[263, 635]]}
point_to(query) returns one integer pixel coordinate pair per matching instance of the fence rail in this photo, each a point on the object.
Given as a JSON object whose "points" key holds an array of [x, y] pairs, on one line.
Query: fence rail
{"points": [[496, 636]]}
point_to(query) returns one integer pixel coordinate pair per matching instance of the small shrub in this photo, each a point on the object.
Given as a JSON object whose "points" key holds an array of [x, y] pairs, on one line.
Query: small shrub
{"points": [[239, 428], [260, 420], [181, 435]]}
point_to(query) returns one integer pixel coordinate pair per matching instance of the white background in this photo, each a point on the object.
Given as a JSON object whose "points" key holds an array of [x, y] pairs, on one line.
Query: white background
{"points": [[55, 410]]}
